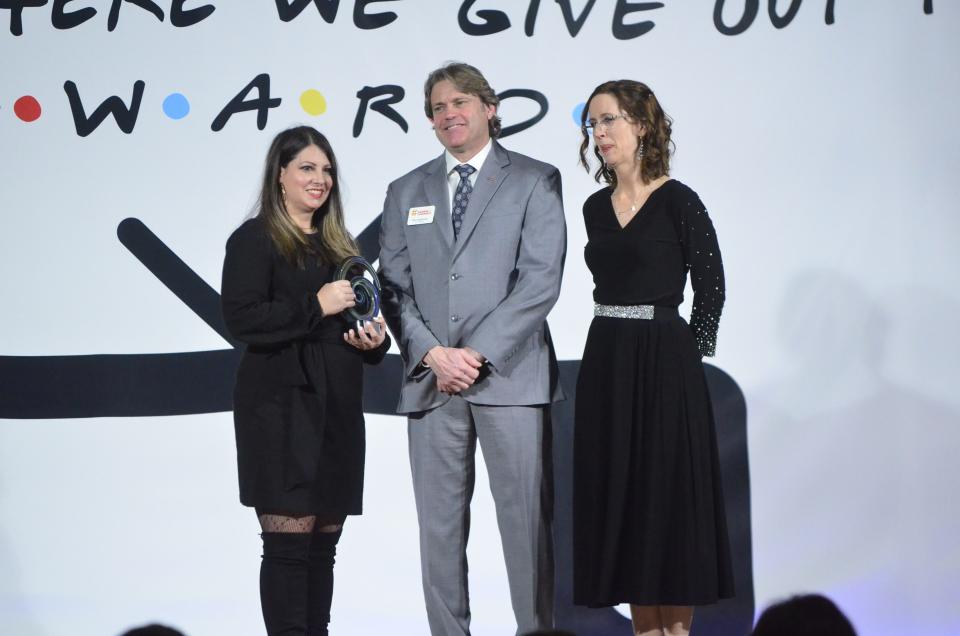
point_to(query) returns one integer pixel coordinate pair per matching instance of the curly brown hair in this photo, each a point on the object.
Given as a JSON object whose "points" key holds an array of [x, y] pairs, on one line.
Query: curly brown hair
{"points": [[638, 103]]}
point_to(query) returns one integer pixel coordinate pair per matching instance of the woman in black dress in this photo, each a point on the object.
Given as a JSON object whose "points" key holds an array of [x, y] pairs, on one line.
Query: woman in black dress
{"points": [[649, 522], [298, 409]]}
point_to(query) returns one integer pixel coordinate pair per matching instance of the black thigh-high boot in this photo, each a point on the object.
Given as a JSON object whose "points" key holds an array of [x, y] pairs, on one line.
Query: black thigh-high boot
{"points": [[283, 582], [323, 551]]}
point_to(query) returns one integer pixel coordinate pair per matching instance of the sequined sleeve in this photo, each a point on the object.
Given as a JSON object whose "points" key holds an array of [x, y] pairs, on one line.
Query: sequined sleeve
{"points": [[702, 258]]}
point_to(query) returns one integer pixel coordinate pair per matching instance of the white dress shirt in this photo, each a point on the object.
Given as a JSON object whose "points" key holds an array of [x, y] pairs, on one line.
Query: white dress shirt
{"points": [[453, 177]]}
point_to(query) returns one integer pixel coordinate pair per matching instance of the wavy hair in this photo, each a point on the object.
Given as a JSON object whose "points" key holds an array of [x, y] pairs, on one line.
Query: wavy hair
{"points": [[469, 80], [289, 239], [640, 106]]}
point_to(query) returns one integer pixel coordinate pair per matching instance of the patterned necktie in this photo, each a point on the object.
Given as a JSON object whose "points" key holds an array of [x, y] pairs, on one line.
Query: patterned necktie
{"points": [[461, 197]]}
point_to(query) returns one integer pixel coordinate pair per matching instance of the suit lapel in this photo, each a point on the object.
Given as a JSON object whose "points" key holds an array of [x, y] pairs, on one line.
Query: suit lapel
{"points": [[438, 195], [492, 175]]}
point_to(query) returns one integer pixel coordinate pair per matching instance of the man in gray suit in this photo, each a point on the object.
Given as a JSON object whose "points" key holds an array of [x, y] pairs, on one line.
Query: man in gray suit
{"points": [[472, 249]]}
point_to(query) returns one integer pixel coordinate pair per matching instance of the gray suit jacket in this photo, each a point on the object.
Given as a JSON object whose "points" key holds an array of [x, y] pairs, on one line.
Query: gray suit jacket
{"points": [[490, 290]]}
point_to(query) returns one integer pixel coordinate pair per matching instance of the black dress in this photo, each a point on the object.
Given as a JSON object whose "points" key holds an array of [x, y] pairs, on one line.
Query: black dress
{"points": [[298, 409], [649, 521]]}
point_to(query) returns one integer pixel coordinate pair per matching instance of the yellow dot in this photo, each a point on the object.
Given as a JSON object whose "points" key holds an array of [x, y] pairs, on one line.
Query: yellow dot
{"points": [[313, 102]]}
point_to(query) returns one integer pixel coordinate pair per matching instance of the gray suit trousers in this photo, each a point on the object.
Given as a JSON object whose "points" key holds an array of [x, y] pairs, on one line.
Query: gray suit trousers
{"points": [[515, 441]]}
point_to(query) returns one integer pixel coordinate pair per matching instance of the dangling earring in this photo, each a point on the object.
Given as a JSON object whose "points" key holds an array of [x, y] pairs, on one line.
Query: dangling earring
{"points": [[640, 150], [283, 193]]}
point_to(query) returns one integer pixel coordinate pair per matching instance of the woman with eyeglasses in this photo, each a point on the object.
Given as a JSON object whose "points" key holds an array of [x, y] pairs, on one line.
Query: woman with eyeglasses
{"points": [[298, 398], [649, 521]]}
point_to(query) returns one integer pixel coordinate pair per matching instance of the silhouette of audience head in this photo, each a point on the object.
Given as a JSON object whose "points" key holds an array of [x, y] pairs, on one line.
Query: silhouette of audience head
{"points": [[154, 629], [804, 615]]}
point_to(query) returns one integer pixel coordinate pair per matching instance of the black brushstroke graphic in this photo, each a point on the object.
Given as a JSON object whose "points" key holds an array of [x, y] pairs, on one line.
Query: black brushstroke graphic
{"points": [[140, 385]]}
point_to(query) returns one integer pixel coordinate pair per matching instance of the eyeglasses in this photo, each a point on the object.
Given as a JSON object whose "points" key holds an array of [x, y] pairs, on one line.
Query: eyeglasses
{"points": [[603, 123]]}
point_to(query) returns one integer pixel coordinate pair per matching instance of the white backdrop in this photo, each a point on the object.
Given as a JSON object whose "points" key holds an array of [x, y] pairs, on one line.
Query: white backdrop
{"points": [[826, 153]]}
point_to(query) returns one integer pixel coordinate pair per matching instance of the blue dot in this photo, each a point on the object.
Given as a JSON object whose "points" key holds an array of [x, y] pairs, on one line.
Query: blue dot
{"points": [[578, 112], [176, 106]]}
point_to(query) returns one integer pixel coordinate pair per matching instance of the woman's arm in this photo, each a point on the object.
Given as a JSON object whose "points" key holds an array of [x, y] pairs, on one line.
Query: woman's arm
{"points": [[701, 253], [252, 313]]}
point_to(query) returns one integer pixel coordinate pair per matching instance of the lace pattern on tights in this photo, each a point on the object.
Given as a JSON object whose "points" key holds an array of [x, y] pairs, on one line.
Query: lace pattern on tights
{"points": [[299, 524]]}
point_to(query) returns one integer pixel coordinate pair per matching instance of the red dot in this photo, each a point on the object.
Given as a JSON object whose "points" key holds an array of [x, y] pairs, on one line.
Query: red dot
{"points": [[27, 108]]}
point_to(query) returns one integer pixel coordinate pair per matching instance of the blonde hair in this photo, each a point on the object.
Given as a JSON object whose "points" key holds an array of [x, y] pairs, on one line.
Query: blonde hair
{"points": [[467, 79]]}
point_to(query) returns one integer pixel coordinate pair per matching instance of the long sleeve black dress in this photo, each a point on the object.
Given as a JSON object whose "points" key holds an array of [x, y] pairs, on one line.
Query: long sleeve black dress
{"points": [[298, 411], [649, 521]]}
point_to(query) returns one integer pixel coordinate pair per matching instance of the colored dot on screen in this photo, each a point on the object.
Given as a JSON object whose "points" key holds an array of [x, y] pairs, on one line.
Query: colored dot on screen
{"points": [[27, 108], [176, 106], [578, 112], [313, 102]]}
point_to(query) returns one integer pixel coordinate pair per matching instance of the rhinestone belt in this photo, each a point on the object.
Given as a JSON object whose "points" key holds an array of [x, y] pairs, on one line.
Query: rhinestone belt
{"points": [[639, 312]]}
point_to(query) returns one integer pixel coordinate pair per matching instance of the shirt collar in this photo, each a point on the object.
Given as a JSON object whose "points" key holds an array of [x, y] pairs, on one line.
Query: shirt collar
{"points": [[476, 160]]}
